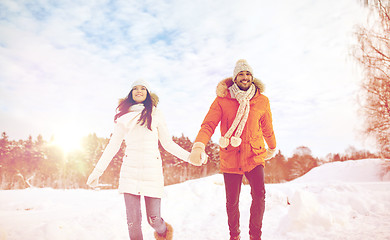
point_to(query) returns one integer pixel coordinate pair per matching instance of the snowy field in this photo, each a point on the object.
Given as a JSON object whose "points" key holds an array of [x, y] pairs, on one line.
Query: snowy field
{"points": [[341, 200]]}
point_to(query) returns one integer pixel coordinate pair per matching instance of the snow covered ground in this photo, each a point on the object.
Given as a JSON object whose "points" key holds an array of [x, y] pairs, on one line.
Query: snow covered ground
{"points": [[341, 200]]}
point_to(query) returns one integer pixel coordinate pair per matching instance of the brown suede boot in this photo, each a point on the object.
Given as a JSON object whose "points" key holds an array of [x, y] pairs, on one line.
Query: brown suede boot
{"points": [[167, 235], [235, 238], [253, 238]]}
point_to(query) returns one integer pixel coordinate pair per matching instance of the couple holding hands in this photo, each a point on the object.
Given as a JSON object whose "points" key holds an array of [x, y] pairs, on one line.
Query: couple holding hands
{"points": [[245, 119]]}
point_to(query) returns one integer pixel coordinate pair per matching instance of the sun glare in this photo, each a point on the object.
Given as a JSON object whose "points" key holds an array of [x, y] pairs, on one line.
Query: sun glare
{"points": [[67, 141]]}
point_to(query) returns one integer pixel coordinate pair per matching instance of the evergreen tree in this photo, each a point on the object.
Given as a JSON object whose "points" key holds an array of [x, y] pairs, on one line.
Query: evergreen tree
{"points": [[276, 169]]}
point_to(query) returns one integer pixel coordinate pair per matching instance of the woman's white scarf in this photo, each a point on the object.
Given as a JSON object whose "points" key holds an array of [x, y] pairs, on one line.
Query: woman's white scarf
{"points": [[131, 118], [243, 98]]}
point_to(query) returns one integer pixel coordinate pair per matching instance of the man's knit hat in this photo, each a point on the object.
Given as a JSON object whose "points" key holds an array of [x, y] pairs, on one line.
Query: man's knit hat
{"points": [[241, 65], [142, 83]]}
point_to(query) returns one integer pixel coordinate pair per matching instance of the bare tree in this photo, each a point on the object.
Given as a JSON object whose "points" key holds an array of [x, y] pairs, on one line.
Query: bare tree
{"points": [[373, 53]]}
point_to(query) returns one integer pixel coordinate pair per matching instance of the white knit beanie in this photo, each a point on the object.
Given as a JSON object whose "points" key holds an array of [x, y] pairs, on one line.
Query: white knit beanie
{"points": [[142, 83], [241, 65]]}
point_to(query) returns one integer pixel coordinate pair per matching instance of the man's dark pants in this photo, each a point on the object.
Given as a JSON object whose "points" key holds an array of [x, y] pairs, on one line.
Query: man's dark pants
{"points": [[233, 188]]}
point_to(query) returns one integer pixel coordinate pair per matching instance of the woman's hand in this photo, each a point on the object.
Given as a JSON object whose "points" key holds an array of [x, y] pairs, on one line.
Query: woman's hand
{"points": [[93, 179]]}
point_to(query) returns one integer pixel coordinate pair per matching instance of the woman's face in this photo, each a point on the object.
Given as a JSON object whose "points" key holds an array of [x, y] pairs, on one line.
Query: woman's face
{"points": [[139, 93]]}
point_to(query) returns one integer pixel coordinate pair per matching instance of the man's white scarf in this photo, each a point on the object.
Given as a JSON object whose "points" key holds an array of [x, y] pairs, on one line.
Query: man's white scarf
{"points": [[243, 98]]}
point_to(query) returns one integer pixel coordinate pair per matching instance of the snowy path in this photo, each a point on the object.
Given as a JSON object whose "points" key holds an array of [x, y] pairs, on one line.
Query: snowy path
{"points": [[319, 209]]}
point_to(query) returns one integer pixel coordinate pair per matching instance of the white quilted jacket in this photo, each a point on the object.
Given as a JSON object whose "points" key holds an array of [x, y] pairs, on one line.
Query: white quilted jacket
{"points": [[141, 171]]}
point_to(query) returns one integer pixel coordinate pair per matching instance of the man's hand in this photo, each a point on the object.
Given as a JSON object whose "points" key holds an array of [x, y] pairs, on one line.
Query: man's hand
{"points": [[198, 155], [270, 153]]}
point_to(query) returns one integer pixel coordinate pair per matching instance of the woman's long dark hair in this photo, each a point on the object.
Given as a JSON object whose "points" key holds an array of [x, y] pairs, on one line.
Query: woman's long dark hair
{"points": [[146, 114]]}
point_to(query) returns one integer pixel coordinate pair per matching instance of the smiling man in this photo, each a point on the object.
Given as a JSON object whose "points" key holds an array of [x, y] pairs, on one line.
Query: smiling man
{"points": [[246, 121]]}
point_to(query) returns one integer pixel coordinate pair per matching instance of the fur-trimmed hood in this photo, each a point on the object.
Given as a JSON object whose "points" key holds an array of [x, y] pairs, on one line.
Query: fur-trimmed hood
{"points": [[155, 99], [223, 86], [153, 96]]}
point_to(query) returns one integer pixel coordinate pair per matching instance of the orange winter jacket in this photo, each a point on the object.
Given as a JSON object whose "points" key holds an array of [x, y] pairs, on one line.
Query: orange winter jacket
{"points": [[258, 128]]}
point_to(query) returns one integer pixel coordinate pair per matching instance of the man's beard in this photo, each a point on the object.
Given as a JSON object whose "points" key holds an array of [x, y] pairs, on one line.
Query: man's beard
{"points": [[243, 86]]}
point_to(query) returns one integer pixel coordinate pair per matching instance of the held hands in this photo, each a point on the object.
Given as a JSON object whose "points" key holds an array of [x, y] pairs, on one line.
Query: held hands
{"points": [[198, 155], [270, 153], [93, 179]]}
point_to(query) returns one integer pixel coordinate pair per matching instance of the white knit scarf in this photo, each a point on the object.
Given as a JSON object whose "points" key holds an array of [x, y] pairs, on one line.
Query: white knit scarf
{"points": [[137, 107], [131, 118], [243, 98]]}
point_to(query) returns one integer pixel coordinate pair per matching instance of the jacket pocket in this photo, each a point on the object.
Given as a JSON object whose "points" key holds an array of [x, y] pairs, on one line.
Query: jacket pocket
{"points": [[257, 146], [229, 157], [258, 150]]}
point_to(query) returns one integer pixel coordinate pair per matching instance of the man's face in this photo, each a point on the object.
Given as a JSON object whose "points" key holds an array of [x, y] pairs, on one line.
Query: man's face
{"points": [[244, 80]]}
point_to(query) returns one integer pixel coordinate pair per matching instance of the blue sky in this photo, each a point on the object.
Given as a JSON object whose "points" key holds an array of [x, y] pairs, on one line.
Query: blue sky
{"points": [[65, 64]]}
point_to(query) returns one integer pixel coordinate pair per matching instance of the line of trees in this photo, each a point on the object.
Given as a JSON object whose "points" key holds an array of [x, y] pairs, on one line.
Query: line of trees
{"points": [[39, 163], [281, 169]]}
